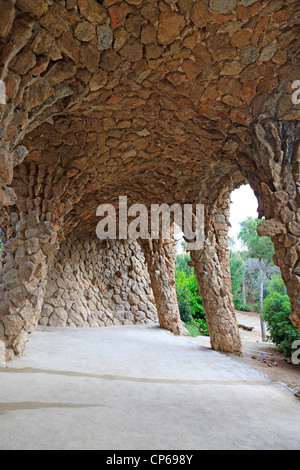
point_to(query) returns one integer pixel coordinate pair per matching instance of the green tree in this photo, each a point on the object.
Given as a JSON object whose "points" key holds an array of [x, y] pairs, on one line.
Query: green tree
{"points": [[276, 284], [252, 275], [189, 302], [237, 269], [260, 248], [181, 263]]}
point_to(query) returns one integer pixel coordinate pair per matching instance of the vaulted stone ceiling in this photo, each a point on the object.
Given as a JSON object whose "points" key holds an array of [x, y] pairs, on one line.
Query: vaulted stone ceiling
{"points": [[161, 101], [150, 99]]}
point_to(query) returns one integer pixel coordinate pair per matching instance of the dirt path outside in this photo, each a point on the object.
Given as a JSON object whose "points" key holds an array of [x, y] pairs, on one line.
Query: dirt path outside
{"points": [[263, 357]]}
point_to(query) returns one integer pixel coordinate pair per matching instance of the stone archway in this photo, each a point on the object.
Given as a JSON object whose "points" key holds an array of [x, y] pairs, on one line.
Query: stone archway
{"points": [[164, 102]]}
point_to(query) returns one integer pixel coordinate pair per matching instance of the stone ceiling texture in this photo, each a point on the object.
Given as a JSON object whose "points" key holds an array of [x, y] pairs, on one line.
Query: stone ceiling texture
{"points": [[149, 99], [161, 101]]}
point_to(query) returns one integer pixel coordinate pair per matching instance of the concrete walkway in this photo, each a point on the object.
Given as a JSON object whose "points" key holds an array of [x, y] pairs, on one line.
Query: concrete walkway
{"points": [[138, 388]]}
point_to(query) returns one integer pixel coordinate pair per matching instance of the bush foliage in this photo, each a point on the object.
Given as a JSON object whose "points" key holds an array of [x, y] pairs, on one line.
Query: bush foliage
{"points": [[276, 306], [189, 302], [238, 305], [276, 312]]}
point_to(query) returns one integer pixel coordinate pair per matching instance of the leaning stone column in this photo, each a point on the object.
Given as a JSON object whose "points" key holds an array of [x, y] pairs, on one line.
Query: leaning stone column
{"points": [[160, 257], [278, 151], [212, 270], [27, 254]]}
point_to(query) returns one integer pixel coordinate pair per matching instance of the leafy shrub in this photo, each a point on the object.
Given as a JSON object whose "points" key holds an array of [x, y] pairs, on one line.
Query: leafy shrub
{"points": [[189, 302], [237, 270], [276, 311], [202, 327], [276, 284], [238, 305], [184, 296], [197, 310]]}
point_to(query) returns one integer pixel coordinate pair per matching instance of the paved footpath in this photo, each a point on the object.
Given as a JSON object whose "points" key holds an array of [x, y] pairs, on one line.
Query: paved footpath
{"points": [[138, 387]]}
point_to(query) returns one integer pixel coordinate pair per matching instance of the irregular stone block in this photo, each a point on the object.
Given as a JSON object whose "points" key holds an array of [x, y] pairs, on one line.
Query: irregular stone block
{"points": [[222, 6], [7, 15], [105, 37], [12, 325], [92, 11], [170, 27]]}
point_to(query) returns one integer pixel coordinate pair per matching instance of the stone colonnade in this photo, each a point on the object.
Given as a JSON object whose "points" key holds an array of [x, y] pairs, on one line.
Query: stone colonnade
{"points": [[92, 283], [156, 100]]}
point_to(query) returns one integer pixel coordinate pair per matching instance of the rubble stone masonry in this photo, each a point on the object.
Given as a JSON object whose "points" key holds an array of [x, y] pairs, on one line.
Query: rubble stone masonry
{"points": [[162, 101]]}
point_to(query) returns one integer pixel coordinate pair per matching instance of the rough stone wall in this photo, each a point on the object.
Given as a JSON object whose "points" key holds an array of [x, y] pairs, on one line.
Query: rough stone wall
{"points": [[94, 283]]}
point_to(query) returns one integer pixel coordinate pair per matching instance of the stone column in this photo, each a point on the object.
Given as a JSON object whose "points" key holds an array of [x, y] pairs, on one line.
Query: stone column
{"points": [[278, 151], [212, 270], [26, 258], [160, 257]]}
